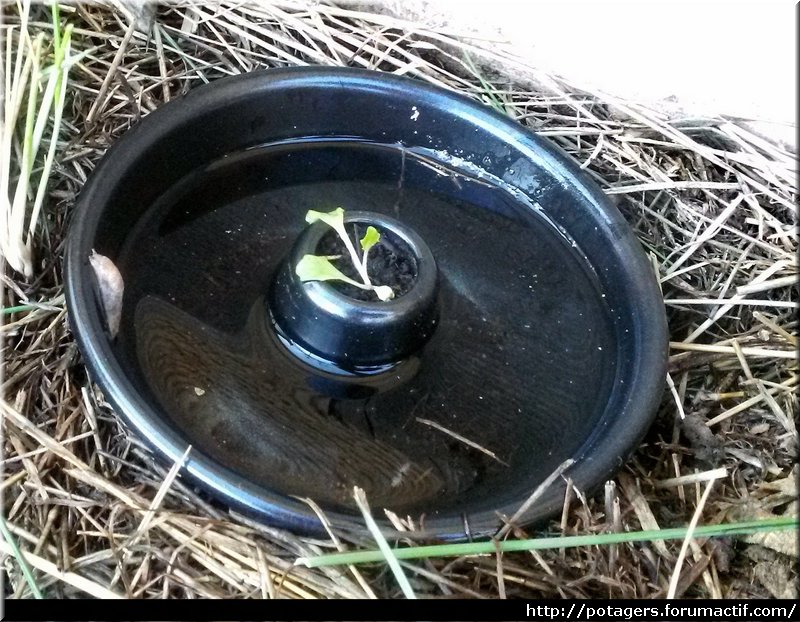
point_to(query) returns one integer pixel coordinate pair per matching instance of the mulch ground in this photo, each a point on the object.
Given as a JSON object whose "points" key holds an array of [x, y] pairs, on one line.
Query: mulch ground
{"points": [[712, 203]]}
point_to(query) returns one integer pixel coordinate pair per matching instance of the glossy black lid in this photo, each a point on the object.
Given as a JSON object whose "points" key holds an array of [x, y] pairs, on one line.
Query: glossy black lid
{"points": [[526, 213], [351, 333]]}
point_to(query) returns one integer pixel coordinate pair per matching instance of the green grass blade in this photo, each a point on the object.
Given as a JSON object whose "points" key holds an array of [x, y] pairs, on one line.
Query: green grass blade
{"points": [[43, 113], [17, 309], [16, 252], [23, 565], [508, 546], [56, 25], [59, 95], [28, 153], [494, 101]]}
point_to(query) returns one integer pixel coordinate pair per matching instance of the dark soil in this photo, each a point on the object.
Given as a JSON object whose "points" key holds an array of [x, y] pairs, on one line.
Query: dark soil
{"points": [[391, 262]]}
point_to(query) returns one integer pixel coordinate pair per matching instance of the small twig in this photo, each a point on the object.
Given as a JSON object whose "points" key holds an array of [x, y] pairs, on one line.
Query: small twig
{"points": [[112, 70], [501, 582], [338, 544], [674, 391], [751, 402], [682, 480], [463, 439], [783, 304], [673, 584], [756, 352], [672, 185], [538, 492], [162, 66], [157, 499], [361, 501]]}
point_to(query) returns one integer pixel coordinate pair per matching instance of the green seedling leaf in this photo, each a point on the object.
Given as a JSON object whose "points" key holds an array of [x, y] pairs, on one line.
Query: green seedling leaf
{"points": [[315, 268], [334, 219], [370, 239], [384, 292]]}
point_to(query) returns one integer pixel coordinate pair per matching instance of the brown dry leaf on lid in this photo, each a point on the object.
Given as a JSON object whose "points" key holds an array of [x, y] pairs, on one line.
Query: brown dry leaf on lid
{"points": [[111, 287]]}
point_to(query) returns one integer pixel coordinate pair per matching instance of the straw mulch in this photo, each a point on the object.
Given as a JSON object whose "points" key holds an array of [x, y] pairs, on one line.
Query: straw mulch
{"points": [[713, 205]]}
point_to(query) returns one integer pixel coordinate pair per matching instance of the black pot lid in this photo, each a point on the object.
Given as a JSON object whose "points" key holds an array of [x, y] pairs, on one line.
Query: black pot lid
{"points": [[549, 333]]}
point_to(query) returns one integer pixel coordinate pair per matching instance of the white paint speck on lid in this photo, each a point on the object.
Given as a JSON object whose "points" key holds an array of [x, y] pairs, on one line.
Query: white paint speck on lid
{"points": [[414, 113], [401, 472], [199, 392]]}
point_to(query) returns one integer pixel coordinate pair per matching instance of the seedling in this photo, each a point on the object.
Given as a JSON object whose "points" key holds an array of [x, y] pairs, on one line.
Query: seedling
{"points": [[320, 268]]}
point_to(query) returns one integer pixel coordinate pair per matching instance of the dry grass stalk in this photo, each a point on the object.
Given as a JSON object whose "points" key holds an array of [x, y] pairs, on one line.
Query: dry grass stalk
{"points": [[682, 480], [461, 439], [534, 496], [673, 583], [712, 203]]}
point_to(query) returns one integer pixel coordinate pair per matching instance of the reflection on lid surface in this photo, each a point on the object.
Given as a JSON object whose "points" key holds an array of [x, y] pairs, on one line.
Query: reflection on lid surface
{"points": [[521, 363]]}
